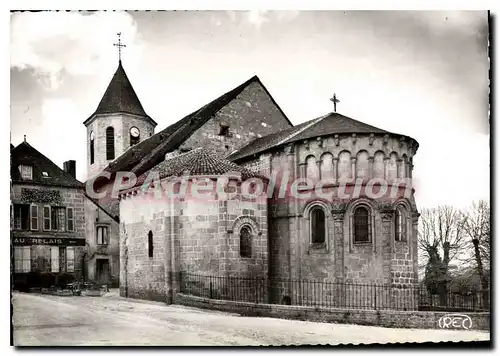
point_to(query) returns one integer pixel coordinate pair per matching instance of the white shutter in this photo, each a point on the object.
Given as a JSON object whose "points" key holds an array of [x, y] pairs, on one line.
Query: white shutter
{"points": [[54, 258]]}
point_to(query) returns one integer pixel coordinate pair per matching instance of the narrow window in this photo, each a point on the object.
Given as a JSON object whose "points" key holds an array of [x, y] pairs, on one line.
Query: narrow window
{"points": [[399, 227], [46, 218], [70, 259], [70, 219], [102, 235], [92, 147], [110, 143], [361, 225], [245, 242], [318, 227], [34, 217], [150, 243], [26, 172]]}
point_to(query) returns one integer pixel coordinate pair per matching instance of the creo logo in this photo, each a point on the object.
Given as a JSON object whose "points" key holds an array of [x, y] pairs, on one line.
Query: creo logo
{"points": [[455, 321]]}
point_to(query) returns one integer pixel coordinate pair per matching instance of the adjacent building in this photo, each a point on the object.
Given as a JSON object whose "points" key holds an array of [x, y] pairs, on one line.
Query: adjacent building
{"points": [[47, 217]]}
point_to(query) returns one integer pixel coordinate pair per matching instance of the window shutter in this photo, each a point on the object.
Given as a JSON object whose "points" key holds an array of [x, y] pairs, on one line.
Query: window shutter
{"points": [[70, 219], [54, 258], [46, 217], [110, 143]]}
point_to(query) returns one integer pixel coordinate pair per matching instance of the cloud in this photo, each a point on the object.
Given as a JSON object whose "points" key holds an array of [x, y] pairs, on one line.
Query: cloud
{"points": [[56, 44], [257, 17], [60, 127]]}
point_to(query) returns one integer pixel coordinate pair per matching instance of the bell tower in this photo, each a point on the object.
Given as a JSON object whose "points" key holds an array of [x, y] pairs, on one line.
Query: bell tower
{"points": [[118, 123]]}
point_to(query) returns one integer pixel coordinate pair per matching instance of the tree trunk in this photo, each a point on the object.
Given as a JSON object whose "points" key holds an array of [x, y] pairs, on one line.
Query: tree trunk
{"points": [[482, 277]]}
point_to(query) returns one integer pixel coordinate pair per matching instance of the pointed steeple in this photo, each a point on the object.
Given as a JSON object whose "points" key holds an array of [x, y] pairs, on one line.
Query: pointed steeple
{"points": [[120, 96]]}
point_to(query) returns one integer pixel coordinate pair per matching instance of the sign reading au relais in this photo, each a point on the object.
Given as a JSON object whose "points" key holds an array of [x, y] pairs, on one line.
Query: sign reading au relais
{"points": [[25, 241]]}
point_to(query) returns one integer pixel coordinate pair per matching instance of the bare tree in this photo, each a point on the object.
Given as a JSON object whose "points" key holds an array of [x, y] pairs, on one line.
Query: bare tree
{"points": [[476, 223], [441, 240]]}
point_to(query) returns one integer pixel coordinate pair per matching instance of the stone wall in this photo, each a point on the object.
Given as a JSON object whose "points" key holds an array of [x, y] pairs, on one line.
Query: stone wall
{"points": [[385, 318], [61, 197], [121, 124], [383, 260], [195, 236], [95, 216], [142, 276], [252, 114]]}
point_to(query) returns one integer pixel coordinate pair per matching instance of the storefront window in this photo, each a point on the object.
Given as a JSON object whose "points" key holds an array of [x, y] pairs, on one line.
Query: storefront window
{"points": [[22, 259]]}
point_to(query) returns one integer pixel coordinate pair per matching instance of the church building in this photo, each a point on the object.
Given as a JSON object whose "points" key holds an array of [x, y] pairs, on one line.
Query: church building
{"points": [[362, 228]]}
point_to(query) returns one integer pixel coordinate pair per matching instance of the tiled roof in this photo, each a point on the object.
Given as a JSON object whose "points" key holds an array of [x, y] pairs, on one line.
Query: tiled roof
{"points": [[120, 97], [332, 123], [25, 154], [263, 143], [145, 155], [198, 162]]}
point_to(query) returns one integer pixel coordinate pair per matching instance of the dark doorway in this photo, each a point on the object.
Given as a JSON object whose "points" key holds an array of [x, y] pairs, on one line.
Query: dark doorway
{"points": [[102, 271]]}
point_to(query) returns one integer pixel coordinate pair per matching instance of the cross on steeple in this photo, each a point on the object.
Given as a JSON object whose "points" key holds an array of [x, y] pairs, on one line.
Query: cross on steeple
{"points": [[334, 100], [119, 45]]}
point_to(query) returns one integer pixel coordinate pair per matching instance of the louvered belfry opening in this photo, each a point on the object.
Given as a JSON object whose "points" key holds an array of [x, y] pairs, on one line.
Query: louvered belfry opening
{"points": [[110, 143]]}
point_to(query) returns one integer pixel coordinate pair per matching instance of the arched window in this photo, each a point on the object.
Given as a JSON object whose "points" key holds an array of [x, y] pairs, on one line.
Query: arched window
{"points": [[245, 242], [362, 228], [318, 226], [400, 226], [110, 143], [344, 166], [150, 243], [92, 147], [378, 165]]}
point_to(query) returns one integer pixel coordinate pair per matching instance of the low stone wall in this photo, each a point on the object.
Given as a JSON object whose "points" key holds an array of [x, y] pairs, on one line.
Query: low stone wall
{"points": [[385, 318]]}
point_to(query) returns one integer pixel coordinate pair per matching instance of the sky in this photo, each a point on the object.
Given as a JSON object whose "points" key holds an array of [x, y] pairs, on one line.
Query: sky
{"points": [[421, 74]]}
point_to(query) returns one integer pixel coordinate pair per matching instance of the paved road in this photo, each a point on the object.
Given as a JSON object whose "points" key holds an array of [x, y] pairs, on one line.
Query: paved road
{"points": [[50, 320]]}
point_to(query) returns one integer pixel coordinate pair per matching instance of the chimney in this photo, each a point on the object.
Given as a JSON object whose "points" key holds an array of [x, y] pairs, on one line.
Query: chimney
{"points": [[70, 167]]}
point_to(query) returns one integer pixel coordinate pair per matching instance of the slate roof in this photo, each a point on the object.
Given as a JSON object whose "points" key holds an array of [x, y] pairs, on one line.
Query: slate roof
{"points": [[332, 123], [198, 162], [120, 97], [25, 154], [141, 157]]}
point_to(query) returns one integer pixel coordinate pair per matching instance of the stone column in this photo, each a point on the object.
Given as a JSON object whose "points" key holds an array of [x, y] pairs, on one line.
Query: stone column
{"points": [[387, 247], [386, 168], [318, 164], [293, 169], [353, 168], [339, 250]]}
